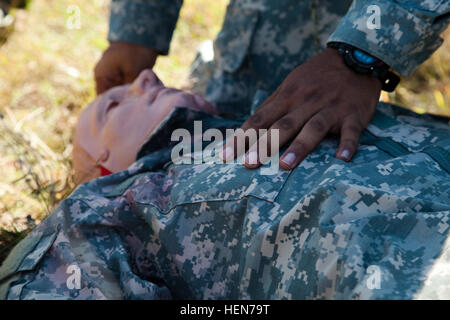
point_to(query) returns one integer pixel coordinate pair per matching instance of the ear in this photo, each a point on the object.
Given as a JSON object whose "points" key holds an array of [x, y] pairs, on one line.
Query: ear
{"points": [[85, 167], [145, 81]]}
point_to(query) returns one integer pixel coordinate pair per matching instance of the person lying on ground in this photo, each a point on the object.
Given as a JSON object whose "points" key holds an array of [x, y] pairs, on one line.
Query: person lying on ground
{"points": [[376, 227], [116, 124]]}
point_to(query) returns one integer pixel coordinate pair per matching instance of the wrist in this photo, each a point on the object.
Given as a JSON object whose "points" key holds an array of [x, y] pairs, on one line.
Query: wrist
{"points": [[334, 58], [363, 63], [140, 54], [133, 46]]}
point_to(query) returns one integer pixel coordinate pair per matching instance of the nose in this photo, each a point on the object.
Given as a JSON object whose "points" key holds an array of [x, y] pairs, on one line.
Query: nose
{"points": [[144, 82]]}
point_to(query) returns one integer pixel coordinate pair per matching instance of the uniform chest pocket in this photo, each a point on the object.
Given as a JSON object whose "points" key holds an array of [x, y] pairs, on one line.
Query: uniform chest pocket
{"points": [[233, 42], [188, 184]]}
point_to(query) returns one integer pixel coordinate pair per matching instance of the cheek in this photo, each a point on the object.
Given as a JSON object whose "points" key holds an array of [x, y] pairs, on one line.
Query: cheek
{"points": [[135, 118], [120, 117], [124, 129]]}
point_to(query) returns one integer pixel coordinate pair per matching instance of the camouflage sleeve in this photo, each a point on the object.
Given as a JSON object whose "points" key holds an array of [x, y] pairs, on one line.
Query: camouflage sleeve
{"points": [[401, 33], [148, 23]]}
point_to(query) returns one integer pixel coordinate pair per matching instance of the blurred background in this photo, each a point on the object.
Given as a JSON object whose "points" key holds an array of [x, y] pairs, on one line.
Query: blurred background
{"points": [[46, 78]]}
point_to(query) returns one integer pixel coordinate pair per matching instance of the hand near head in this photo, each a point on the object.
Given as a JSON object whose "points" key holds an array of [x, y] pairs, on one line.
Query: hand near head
{"points": [[320, 96], [121, 63], [115, 125]]}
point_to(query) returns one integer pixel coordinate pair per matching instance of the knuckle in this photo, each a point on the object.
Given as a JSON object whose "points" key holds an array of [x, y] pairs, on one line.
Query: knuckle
{"points": [[353, 106], [317, 124], [310, 94], [354, 129], [257, 119], [335, 100], [349, 143], [355, 119], [286, 123], [299, 147], [286, 104], [288, 90]]}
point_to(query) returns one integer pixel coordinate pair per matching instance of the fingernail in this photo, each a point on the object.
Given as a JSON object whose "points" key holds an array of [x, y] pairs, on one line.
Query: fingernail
{"points": [[251, 158], [227, 154], [345, 154], [289, 159]]}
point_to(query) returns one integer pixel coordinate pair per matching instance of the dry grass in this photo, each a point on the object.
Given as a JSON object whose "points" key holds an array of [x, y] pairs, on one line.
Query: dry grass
{"points": [[46, 79], [428, 89]]}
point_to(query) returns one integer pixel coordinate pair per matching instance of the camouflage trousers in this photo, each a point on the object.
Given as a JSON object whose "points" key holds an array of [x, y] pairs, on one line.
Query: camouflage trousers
{"points": [[376, 227]]}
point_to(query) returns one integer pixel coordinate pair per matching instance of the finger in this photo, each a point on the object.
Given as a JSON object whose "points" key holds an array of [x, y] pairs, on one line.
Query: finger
{"points": [[273, 109], [100, 86], [247, 135], [264, 116], [106, 74], [271, 98], [350, 132], [105, 83], [251, 160], [130, 76], [238, 142], [286, 128], [259, 153], [307, 140], [131, 70]]}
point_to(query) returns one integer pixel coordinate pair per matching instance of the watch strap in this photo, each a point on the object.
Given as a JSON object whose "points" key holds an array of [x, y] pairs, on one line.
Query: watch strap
{"points": [[378, 68]]}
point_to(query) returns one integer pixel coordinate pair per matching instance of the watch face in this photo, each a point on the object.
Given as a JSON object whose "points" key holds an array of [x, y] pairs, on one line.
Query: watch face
{"points": [[357, 66], [363, 63], [363, 58]]}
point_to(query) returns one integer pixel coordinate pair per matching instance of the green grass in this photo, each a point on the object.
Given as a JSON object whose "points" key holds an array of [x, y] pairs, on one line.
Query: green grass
{"points": [[46, 79]]}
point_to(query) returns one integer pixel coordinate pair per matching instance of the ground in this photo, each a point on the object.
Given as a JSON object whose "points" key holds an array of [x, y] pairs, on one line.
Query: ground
{"points": [[46, 79]]}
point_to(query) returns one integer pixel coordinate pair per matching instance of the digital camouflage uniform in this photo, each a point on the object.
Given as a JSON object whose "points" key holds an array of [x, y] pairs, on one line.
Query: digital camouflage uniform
{"points": [[375, 227], [263, 40]]}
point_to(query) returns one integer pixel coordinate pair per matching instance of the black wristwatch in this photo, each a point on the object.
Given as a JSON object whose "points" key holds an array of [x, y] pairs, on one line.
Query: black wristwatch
{"points": [[363, 63]]}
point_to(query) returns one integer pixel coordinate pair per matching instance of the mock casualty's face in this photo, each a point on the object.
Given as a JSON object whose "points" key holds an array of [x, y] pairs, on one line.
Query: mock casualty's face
{"points": [[138, 108], [117, 123]]}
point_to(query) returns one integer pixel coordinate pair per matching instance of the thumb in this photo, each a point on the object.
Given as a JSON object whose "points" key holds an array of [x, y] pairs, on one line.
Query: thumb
{"points": [[132, 68], [131, 71], [107, 74]]}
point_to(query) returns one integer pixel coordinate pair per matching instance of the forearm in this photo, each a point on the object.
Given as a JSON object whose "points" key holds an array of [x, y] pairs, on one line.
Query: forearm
{"points": [[149, 23], [408, 32]]}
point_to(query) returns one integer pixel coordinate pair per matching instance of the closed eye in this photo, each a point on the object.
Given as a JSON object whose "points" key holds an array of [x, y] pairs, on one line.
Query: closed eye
{"points": [[111, 105]]}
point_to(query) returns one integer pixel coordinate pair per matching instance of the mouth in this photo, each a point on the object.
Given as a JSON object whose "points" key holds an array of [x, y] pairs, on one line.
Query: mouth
{"points": [[166, 91]]}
